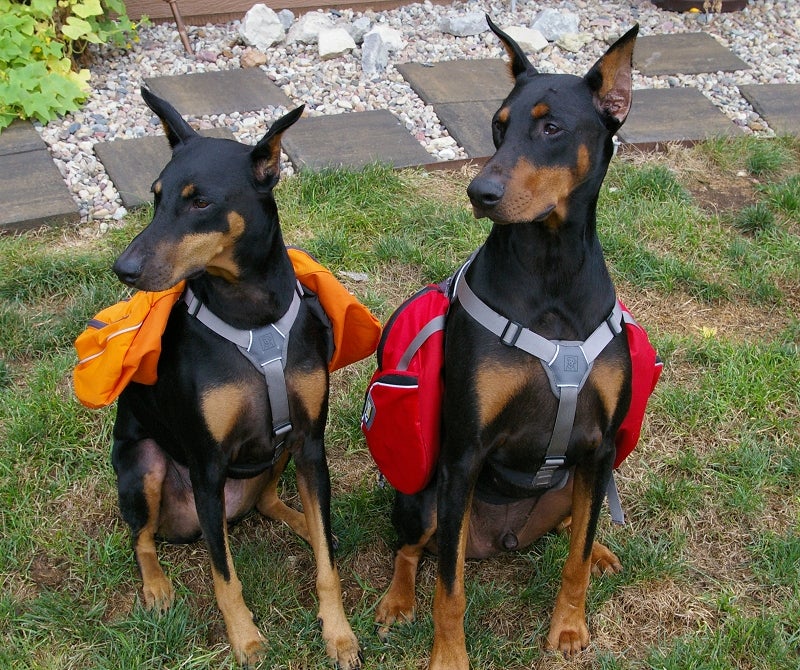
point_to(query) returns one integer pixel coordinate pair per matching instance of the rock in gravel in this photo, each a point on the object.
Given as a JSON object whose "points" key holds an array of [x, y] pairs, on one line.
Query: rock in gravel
{"points": [[261, 27]]}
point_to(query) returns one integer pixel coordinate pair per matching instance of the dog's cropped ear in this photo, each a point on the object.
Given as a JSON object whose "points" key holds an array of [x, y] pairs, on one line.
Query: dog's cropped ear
{"points": [[266, 155], [610, 80], [519, 61], [176, 129]]}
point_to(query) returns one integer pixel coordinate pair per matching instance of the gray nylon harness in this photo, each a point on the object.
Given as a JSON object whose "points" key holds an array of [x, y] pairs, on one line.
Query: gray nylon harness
{"points": [[567, 364], [264, 347]]}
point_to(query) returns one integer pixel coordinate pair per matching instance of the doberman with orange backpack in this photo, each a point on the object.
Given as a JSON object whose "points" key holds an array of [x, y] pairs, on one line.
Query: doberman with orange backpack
{"points": [[241, 379]]}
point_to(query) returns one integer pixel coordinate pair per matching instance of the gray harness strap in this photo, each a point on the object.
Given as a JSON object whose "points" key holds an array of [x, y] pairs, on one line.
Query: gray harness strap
{"points": [[567, 365], [264, 347]]}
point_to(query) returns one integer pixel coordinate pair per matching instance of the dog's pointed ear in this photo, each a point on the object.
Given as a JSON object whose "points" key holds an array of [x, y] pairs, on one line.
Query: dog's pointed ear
{"points": [[176, 129], [519, 63], [610, 80], [266, 155]]}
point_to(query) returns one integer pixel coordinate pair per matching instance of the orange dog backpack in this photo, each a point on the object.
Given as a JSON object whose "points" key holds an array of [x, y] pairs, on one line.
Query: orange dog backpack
{"points": [[123, 342]]}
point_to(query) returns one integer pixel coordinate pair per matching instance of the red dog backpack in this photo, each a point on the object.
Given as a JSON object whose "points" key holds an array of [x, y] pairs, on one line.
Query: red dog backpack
{"points": [[403, 405], [401, 420]]}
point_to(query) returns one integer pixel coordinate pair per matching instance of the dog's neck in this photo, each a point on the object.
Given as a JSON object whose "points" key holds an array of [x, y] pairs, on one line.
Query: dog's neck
{"points": [[260, 294], [550, 279]]}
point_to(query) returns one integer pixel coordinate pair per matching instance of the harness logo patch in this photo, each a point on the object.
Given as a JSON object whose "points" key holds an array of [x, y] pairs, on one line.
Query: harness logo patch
{"points": [[266, 341], [570, 363]]}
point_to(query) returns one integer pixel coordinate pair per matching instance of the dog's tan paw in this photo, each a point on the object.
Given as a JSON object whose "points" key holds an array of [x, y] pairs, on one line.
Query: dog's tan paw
{"points": [[346, 651], [569, 640], [604, 561], [393, 609], [158, 594], [248, 647]]}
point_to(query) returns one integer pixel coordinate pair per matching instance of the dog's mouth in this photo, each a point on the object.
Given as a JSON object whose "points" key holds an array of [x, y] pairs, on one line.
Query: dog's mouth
{"points": [[498, 217]]}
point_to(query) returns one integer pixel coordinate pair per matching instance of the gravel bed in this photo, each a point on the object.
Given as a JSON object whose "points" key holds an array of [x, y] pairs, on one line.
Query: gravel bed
{"points": [[766, 35]]}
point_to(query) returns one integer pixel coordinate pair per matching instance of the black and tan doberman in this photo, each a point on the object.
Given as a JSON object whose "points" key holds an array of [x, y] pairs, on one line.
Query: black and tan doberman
{"points": [[537, 370], [203, 446]]}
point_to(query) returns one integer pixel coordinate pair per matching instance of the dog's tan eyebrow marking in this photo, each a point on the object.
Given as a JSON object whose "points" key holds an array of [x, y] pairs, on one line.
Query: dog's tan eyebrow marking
{"points": [[540, 109], [157, 186], [188, 191], [503, 114]]}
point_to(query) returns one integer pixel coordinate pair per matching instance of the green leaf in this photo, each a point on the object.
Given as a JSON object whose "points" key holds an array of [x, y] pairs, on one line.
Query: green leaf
{"points": [[87, 8]]}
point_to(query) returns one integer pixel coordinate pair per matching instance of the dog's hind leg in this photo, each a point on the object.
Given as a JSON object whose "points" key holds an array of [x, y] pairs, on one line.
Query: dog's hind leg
{"points": [[415, 521], [270, 505], [314, 485]]}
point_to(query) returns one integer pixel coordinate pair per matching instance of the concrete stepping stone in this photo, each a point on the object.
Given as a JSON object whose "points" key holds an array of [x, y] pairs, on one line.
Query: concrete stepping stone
{"points": [[661, 115], [683, 53], [133, 165], [465, 94], [202, 93], [32, 190], [779, 104], [459, 80], [470, 124], [353, 140]]}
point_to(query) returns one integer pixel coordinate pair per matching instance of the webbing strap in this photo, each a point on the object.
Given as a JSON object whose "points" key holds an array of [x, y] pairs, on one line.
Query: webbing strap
{"points": [[434, 325], [264, 347]]}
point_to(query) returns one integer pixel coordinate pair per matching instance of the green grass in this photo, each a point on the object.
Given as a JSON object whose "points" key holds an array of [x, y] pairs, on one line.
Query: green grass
{"points": [[712, 545]]}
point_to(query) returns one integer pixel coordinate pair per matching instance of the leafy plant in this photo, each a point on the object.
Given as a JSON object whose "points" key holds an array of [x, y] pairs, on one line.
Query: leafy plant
{"points": [[39, 43]]}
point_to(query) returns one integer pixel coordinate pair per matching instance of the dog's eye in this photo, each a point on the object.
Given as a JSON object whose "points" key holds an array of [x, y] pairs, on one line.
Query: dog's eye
{"points": [[551, 129], [200, 203]]}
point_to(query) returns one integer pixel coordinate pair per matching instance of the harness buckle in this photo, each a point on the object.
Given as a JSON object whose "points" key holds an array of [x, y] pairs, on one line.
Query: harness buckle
{"points": [[511, 333], [544, 476], [282, 429], [613, 326]]}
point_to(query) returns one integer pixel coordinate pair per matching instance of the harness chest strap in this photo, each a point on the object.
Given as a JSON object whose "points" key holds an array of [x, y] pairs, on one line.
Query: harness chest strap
{"points": [[567, 364], [264, 347]]}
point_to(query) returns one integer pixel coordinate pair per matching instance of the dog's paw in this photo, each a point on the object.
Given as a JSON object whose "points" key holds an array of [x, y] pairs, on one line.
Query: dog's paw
{"points": [[158, 593], [346, 652], [391, 610], [569, 640], [249, 647], [604, 561]]}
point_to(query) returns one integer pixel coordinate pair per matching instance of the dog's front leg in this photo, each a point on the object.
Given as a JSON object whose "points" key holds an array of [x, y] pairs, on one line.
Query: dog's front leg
{"points": [[314, 486], [245, 639], [449, 603], [568, 630]]}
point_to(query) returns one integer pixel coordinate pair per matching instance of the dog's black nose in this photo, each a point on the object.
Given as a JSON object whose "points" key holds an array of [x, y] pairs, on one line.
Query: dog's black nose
{"points": [[485, 192], [127, 272]]}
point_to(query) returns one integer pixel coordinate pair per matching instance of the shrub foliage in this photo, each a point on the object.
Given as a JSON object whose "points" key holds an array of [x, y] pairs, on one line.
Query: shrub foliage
{"points": [[40, 41]]}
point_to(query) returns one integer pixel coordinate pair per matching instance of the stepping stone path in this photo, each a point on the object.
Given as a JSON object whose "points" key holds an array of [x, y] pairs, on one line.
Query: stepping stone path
{"points": [[464, 94]]}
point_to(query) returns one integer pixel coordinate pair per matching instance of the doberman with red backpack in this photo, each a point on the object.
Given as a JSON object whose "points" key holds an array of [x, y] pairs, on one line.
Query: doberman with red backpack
{"points": [[537, 359]]}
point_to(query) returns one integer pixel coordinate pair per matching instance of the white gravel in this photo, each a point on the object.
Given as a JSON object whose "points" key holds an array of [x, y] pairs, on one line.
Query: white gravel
{"points": [[766, 35]]}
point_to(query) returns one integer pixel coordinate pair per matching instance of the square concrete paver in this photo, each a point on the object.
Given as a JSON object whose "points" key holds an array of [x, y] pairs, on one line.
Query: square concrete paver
{"points": [[673, 115], [133, 165], [459, 80], [32, 190], [202, 93], [470, 124], [353, 140], [779, 104], [683, 53]]}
